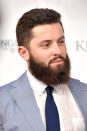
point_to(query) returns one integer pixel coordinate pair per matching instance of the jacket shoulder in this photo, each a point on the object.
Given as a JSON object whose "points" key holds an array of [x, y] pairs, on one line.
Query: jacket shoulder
{"points": [[5, 96], [11, 84], [75, 83]]}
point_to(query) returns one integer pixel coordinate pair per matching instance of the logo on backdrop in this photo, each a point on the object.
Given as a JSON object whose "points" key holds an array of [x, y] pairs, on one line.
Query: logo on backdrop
{"points": [[8, 45], [81, 45], [11, 45]]}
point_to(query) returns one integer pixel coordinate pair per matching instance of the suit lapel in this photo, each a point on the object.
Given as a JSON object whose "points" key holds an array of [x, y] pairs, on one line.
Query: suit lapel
{"points": [[23, 95]]}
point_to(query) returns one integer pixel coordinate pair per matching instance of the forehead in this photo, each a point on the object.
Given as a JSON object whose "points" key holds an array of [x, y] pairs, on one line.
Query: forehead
{"points": [[48, 30]]}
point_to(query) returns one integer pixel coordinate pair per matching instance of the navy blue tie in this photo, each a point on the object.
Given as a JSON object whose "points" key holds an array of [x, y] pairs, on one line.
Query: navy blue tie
{"points": [[51, 112]]}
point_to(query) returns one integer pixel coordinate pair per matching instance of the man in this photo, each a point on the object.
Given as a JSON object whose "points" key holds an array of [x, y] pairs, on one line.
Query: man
{"points": [[24, 102]]}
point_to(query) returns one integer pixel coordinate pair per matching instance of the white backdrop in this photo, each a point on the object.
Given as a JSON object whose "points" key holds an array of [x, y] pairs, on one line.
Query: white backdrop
{"points": [[74, 18]]}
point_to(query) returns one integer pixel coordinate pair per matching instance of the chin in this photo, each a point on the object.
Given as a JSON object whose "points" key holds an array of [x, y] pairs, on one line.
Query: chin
{"points": [[56, 66]]}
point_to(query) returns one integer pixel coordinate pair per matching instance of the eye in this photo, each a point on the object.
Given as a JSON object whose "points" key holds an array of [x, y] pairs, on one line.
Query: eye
{"points": [[45, 44], [61, 42]]}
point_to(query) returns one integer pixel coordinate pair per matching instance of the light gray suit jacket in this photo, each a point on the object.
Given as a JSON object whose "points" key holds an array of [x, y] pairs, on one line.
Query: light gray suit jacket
{"points": [[18, 108]]}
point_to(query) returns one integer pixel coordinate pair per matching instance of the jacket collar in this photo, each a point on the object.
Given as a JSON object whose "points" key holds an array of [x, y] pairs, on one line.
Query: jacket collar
{"points": [[24, 97]]}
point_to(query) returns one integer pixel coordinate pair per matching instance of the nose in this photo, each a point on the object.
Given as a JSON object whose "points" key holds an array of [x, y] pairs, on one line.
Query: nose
{"points": [[56, 49]]}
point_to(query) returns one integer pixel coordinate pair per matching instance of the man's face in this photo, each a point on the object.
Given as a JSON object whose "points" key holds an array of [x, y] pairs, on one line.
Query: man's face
{"points": [[47, 51]]}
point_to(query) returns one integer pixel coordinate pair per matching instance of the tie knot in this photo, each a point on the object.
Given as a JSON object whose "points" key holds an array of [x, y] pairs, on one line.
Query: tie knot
{"points": [[49, 90]]}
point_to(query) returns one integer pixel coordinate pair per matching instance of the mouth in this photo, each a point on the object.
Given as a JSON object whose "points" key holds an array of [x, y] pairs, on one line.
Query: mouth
{"points": [[58, 61]]}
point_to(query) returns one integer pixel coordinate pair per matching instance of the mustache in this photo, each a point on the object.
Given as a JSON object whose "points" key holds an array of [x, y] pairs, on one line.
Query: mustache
{"points": [[57, 57]]}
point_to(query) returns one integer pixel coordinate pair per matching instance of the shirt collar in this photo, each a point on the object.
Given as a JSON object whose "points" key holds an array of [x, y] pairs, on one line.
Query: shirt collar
{"points": [[39, 87], [36, 85], [60, 88]]}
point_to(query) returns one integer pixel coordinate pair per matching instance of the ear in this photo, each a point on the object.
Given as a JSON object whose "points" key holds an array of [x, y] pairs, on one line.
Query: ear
{"points": [[24, 53]]}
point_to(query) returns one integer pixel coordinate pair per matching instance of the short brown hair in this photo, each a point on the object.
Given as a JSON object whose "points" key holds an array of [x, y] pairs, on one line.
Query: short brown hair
{"points": [[33, 18]]}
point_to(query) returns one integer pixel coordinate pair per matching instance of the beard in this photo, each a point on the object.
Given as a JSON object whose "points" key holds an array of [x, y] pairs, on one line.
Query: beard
{"points": [[58, 75]]}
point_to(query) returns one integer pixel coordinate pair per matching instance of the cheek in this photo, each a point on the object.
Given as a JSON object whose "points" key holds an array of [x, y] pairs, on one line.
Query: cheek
{"points": [[41, 57], [64, 51]]}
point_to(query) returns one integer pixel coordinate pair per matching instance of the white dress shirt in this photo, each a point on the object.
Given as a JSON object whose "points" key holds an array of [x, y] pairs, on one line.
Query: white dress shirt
{"points": [[70, 116]]}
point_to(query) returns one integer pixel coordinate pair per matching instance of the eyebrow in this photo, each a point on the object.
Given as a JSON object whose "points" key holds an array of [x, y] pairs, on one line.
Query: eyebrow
{"points": [[60, 38]]}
